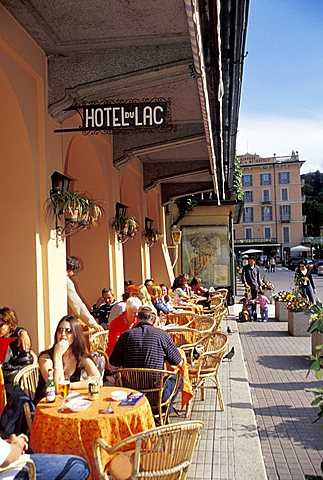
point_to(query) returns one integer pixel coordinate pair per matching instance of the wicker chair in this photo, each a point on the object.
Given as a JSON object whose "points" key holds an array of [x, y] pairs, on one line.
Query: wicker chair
{"points": [[180, 318], [150, 382], [184, 336], [208, 365], [27, 379], [98, 343], [26, 464], [204, 324], [162, 453]]}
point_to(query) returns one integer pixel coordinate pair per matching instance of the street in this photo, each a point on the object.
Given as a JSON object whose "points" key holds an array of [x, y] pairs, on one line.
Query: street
{"points": [[283, 279]]}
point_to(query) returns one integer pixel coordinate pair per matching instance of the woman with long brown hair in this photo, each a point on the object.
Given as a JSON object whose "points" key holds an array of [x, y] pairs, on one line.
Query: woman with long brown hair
{"points": [[69, 357]]}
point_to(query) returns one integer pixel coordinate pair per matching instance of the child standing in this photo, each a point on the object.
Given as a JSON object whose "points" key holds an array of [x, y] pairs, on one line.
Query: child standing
{"points": [[263, 303]]}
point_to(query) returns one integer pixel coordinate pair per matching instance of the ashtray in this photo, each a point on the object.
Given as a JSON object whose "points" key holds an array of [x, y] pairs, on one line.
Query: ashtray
{"points": [[118, 395], [78, 405]]}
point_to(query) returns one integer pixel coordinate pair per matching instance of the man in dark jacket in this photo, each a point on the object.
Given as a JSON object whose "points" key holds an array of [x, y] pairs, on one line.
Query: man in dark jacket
{"points": [[251, 277]]}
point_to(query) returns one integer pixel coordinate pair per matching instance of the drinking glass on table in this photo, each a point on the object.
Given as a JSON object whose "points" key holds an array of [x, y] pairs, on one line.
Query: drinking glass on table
{"points": [[64, 387]]}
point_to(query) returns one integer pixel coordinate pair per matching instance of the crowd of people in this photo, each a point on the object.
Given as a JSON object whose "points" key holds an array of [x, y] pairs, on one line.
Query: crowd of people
{"points": [[133, 341]]}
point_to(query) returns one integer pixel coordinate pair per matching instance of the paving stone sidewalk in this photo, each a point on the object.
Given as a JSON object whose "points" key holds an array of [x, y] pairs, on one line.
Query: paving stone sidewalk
{"points": [[267, 429]]}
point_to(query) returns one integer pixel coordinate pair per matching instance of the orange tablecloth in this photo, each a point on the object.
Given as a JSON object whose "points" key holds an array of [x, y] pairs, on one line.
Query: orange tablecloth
{"points": [[74, 433]]}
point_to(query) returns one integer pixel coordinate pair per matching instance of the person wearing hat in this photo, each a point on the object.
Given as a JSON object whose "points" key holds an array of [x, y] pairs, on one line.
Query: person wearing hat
{"points": [[123, 322]]}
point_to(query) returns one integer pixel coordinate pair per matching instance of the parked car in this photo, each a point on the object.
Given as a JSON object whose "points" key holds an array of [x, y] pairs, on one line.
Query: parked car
{"points": [[319, 267], [293, 263]]}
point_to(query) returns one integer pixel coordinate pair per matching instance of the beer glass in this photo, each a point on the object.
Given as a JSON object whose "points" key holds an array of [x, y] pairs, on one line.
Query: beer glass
{"points": [[64, 387]]}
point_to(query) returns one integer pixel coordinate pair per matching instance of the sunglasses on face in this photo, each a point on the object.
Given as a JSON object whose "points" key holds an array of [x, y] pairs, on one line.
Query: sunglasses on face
{"points": [[66, 330]]}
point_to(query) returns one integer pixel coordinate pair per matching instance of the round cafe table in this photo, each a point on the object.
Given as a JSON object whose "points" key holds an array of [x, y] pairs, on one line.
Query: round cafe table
{"points": [[73, 433]]}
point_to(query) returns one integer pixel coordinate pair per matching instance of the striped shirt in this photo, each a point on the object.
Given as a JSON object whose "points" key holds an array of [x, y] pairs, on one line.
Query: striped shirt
{"points": [[145, 346]]}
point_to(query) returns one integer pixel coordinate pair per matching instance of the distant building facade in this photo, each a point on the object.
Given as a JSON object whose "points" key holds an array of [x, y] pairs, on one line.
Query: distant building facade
{"points": [[272, 218]]}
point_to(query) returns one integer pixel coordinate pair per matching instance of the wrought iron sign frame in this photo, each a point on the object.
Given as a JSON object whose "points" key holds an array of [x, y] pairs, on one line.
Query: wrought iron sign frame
{"points": [[122, 116]]}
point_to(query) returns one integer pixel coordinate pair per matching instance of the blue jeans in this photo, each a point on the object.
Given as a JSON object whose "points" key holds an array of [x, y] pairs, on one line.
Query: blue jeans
{"points": [[308, 292], [264, 314], [169, 388], [57, 467]]}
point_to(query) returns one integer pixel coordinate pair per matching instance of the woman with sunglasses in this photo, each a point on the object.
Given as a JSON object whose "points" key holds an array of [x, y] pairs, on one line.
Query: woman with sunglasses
{"points": [[69, 357]]}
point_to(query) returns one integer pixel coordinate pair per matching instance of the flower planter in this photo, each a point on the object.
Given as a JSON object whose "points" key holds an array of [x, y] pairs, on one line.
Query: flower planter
{"points": [[281, 312], [317, 339], [298, 323]]}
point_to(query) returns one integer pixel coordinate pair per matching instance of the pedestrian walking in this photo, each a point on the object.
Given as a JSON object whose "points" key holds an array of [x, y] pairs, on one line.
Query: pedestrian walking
{"points": [[304, 281], [272, 262]]}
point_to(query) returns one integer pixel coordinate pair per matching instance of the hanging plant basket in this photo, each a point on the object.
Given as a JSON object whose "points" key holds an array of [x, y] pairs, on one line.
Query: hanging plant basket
{"points": [[125, 227]]}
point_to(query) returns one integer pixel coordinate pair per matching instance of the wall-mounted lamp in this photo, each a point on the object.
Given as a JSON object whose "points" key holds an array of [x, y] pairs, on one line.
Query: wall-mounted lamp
{"points": [[125, 227], [176, 234], [151, 235], [60, 183]]}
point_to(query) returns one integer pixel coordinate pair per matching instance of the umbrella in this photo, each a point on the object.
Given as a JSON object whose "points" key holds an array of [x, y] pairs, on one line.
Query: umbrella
{"points": [[300, 248], [251, 250]]}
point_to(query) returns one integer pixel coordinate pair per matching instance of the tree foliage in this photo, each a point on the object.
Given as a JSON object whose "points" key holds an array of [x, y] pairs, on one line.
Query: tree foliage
{"points": [[313, 206]]}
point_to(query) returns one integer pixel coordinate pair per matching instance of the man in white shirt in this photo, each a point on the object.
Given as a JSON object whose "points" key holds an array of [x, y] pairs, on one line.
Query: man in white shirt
{"points": [[48, 466], [76, 304]]}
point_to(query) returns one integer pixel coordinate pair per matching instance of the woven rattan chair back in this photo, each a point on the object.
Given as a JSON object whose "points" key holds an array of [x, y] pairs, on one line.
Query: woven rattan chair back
{"points": [[184, 336], [150, 382], [203, 323], [208, 365], [180, 318], [27, 379], [99, 342], [163, 453]]}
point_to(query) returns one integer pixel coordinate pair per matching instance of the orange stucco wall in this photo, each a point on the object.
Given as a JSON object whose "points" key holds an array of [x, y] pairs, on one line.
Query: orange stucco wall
{"points": [[33, 276]]}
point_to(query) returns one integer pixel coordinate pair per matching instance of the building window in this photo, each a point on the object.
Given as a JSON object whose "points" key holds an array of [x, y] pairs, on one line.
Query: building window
{"points": [[248, 233], [284, 194], [248, 196], [283, 177], [267, 232], [247, 180], [286, 235], [285, 213], [248, 214], [266, 195], [265, 178], [266, 214]]}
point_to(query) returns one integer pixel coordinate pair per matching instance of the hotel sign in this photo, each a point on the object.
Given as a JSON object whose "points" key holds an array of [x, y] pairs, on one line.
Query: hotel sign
{"points": [[121, 116]]}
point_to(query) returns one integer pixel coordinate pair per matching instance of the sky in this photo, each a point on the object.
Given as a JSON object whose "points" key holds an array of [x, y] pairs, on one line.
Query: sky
{"points": [[282, 91]]}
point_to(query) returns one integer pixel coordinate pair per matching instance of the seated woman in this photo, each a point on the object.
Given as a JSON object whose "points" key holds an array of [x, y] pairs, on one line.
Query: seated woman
{"points": [[68, 357], [156, 298], [166, 298], [179, 295], [9, 329], [16, 354]]}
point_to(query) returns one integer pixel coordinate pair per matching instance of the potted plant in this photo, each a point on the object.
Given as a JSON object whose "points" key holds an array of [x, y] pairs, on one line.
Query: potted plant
{"points": [[125, 227], [298, 315], [152, 236], [281, 298], [315, 328], [75, 207]]}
